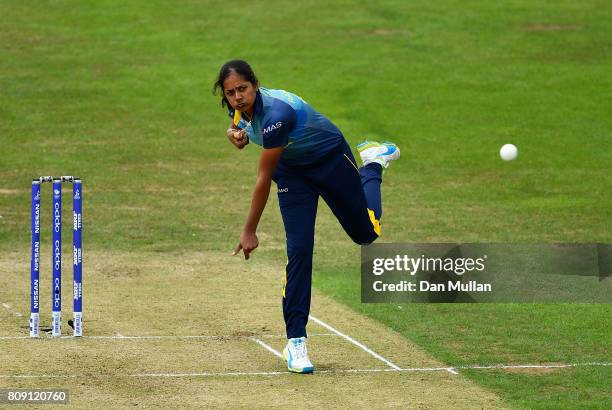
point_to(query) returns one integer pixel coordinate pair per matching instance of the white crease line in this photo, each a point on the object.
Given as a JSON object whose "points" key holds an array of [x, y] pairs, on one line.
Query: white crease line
{"points": [[331, 371], [208, 374], [309, 335], [356, 343], [451, 370], [157, 337], [119, 336], [221, 374], [8, 307], [532, 366], [39, 376], [268, 348], [525, 366]]}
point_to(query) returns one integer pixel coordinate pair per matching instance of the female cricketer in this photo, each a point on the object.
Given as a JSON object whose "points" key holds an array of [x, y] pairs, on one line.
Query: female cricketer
{"points": [[307, 157]]}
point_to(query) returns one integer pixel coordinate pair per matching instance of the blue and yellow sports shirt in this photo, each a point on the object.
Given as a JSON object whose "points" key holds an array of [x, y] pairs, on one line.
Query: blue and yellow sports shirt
{"points": [[282, 119]]}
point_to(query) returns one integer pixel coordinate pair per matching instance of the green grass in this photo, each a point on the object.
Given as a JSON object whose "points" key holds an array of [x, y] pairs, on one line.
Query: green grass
{"points": [[490, 334], [119, 93]]}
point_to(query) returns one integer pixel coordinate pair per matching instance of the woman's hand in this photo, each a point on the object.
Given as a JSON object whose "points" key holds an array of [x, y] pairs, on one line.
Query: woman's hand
{"points": [[248, 243], [238, 138]]}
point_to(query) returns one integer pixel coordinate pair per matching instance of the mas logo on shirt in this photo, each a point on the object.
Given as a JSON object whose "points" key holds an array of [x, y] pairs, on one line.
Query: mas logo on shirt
{"points": [[272, 127]]}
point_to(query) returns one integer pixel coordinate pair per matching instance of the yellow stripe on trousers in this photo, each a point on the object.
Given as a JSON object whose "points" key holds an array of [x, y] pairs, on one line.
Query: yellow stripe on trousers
{"points": [[375, 222]]}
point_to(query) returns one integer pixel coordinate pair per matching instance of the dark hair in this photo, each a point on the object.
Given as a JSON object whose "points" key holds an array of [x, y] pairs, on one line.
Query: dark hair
{"points": [[240, 67]]}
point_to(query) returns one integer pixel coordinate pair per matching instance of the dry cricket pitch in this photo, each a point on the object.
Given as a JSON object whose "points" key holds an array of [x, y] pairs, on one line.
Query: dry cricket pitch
{"points": [[205, 329]]}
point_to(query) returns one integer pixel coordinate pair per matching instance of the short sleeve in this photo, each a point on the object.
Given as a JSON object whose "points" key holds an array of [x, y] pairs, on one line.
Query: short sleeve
{"points": [[277, 127]]}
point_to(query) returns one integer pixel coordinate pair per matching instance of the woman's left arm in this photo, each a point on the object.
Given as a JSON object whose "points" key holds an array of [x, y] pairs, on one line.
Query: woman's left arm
{"points": [[267, 164]]}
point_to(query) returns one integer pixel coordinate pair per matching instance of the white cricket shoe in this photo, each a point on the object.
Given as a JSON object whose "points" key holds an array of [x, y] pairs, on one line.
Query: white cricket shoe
{"points": [[372, 151], [296, 355]]}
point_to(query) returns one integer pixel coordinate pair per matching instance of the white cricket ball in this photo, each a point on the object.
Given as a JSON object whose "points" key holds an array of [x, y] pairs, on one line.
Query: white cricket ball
{"points": [[508, 152]]}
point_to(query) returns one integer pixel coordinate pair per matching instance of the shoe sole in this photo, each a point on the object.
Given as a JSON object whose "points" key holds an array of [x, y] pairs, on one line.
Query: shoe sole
{"points": [[395, 155], [306, 370], [374, 144]]}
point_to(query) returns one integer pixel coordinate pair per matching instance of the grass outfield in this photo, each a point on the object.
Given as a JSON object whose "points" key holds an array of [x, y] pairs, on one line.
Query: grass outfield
{"points": [[119, 93]]}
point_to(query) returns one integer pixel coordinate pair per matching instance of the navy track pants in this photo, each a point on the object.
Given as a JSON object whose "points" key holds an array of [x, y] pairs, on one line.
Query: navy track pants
{"points": [[353, 195]]}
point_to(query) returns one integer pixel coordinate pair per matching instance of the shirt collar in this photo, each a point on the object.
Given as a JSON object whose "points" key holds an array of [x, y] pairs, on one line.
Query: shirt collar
{"points": [[258, 104]]}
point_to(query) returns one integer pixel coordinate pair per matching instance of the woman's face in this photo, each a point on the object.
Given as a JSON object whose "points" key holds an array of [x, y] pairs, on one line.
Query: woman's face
{"points": [[239, 92]]}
